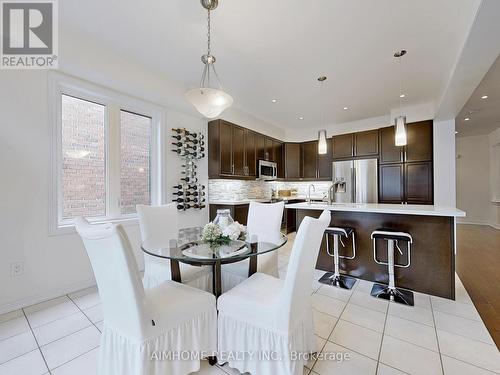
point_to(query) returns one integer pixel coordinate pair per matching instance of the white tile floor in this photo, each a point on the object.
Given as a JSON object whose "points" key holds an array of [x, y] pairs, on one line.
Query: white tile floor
{"points": [[437, 336]]}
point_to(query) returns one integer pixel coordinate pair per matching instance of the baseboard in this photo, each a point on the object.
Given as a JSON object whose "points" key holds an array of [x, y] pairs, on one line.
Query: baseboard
{"points": [[495, 226], [42, 297]]}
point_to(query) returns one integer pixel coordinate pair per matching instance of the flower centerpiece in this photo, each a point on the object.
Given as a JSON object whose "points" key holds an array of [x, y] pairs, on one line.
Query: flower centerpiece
{"points": [[214, 235]]}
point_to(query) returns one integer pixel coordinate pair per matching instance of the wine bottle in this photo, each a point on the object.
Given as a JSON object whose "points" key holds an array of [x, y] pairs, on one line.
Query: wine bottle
{"points": [[181, 200], [188, 179], [178, 187], [179, 193]]}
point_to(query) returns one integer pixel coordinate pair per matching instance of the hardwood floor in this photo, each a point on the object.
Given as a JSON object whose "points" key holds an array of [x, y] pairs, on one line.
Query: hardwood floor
{"points": [[478, 266]]}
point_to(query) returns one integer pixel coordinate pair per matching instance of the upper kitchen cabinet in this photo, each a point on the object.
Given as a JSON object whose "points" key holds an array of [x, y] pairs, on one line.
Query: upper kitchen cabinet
{"points": [[251, 152], [389, 152], [292, 160], [419, 147], [343, 146], [309, 159], [366, 143], [231, 151], [265, 147], [325, 162], [278, 152], [238, 151]]}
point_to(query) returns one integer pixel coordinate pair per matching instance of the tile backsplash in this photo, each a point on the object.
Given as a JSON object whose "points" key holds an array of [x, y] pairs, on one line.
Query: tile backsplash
{"points": [[237, 190]]}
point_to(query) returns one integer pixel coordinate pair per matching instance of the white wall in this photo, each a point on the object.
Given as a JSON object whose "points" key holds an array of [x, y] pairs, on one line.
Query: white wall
{"points": [[473, 178], [444, 163], [494, 147]]}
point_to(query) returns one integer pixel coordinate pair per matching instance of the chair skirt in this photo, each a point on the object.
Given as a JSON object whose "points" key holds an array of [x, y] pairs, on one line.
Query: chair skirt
{"points": [[263, 350], [163, 354]]}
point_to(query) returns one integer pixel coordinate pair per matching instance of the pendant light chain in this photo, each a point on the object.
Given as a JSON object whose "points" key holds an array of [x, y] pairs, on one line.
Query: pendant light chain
{"points": [[208, 33]]}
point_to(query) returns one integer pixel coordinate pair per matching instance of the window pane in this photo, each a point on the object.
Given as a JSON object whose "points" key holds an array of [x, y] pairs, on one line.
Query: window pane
{"points": [[135, 161], [83, 158]]}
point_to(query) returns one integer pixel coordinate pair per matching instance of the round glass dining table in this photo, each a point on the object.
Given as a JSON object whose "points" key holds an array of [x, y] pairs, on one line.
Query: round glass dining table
{"points": [[190, 249]]}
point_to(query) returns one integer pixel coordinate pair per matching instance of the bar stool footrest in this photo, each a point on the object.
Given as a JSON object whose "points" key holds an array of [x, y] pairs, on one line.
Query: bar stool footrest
{"points": [[341, 281], [398, 295]]}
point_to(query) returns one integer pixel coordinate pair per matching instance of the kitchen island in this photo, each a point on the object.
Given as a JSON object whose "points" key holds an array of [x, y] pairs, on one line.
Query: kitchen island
{"points": [[432, 269]]}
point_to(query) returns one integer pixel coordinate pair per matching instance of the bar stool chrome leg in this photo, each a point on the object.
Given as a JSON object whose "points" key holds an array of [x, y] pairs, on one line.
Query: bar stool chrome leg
{"points": [[335, 278], [390, 292]]}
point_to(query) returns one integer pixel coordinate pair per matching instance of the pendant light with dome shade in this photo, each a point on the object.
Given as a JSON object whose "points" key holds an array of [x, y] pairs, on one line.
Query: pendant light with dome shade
{"points": [[322, 144], [400, 138], [209, 101]]}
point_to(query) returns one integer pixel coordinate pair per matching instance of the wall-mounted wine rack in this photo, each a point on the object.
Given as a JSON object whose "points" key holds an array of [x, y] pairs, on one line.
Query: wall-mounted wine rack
{"points": [[190, 146]]}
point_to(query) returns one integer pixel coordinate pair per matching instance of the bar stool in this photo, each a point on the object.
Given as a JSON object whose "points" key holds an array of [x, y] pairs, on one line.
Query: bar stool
{"points": [[390, 292], [335, 278]]}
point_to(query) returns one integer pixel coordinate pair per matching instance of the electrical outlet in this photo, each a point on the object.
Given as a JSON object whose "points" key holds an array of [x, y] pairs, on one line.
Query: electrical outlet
{"points": [[16, 269]]}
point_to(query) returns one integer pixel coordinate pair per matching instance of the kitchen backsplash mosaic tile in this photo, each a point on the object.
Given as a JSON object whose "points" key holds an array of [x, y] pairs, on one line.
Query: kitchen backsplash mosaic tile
{"points": [[237, 190]]}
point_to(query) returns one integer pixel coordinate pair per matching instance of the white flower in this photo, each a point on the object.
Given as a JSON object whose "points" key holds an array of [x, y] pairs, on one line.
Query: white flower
{"points": [[233, 231], [211, 232]]}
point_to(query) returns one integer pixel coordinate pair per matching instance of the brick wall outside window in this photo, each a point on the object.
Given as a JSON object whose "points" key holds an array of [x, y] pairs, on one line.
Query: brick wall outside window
{"points": [[83, 158], [135, 161]]}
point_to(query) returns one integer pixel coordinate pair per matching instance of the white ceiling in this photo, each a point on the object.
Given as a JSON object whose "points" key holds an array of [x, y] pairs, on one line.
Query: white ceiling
{"points": [[277, 49], [483, 114]]}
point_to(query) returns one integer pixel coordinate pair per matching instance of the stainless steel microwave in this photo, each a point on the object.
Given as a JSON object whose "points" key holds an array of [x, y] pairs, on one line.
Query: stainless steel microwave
{"points": [[268, 170]]}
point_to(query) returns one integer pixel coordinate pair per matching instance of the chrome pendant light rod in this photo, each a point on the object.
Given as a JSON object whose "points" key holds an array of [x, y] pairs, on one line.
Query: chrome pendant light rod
{"points": [[209, 101], [400, 138]]}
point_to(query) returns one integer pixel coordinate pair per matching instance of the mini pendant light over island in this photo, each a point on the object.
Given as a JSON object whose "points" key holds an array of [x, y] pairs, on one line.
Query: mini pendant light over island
{"points": [[209, 101], [322, 145], [400, 121]]}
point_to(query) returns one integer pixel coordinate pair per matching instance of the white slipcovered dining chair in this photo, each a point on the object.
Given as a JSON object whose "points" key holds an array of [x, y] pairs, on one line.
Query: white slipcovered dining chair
{"points": [[159, 225], [264, 224], [143, 327], [272, 318]]}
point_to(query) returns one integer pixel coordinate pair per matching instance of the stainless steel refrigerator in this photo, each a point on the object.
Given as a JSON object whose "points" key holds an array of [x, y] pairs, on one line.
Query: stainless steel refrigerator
{"points": [[355, 181]]}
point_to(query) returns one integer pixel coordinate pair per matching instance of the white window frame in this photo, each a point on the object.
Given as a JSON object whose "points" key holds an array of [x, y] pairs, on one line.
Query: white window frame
{"points": [[114, 102]]}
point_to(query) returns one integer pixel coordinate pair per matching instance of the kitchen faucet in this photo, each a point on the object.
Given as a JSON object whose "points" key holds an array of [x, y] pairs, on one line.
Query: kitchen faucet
{"points": [[331, 193], [309, 193]]}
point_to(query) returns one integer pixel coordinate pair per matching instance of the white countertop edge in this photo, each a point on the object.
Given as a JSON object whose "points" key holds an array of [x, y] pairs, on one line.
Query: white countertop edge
{"points": [[247, 201], [407, 209]]}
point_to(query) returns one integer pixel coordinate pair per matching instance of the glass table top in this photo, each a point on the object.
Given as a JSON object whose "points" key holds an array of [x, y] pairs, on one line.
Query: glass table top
{"points": [[189, 248]]}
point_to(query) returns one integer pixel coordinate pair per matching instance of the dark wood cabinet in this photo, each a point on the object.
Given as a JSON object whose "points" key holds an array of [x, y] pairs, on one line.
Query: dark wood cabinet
{"points": [[250, 153], [278, 158], [269, 149], [292, 160], [226, 158], [309, 159], [325, 162], [239, 212], [238, 148], [231, 151], [405, 173], [412, 162], [391, 183], [420, 142], [389, 152], [343, 146], [366, 143], [418, 183]]}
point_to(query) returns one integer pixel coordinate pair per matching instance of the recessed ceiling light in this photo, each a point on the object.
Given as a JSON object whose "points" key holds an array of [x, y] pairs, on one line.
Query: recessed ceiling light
{"points": [[346, 108], [301, 118], [466, 119], [402, 95], [484, 97], [274, 100]]}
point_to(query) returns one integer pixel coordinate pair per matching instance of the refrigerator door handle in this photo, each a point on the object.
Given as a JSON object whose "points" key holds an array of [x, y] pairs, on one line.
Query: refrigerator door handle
{"points": [[353, 182]]}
